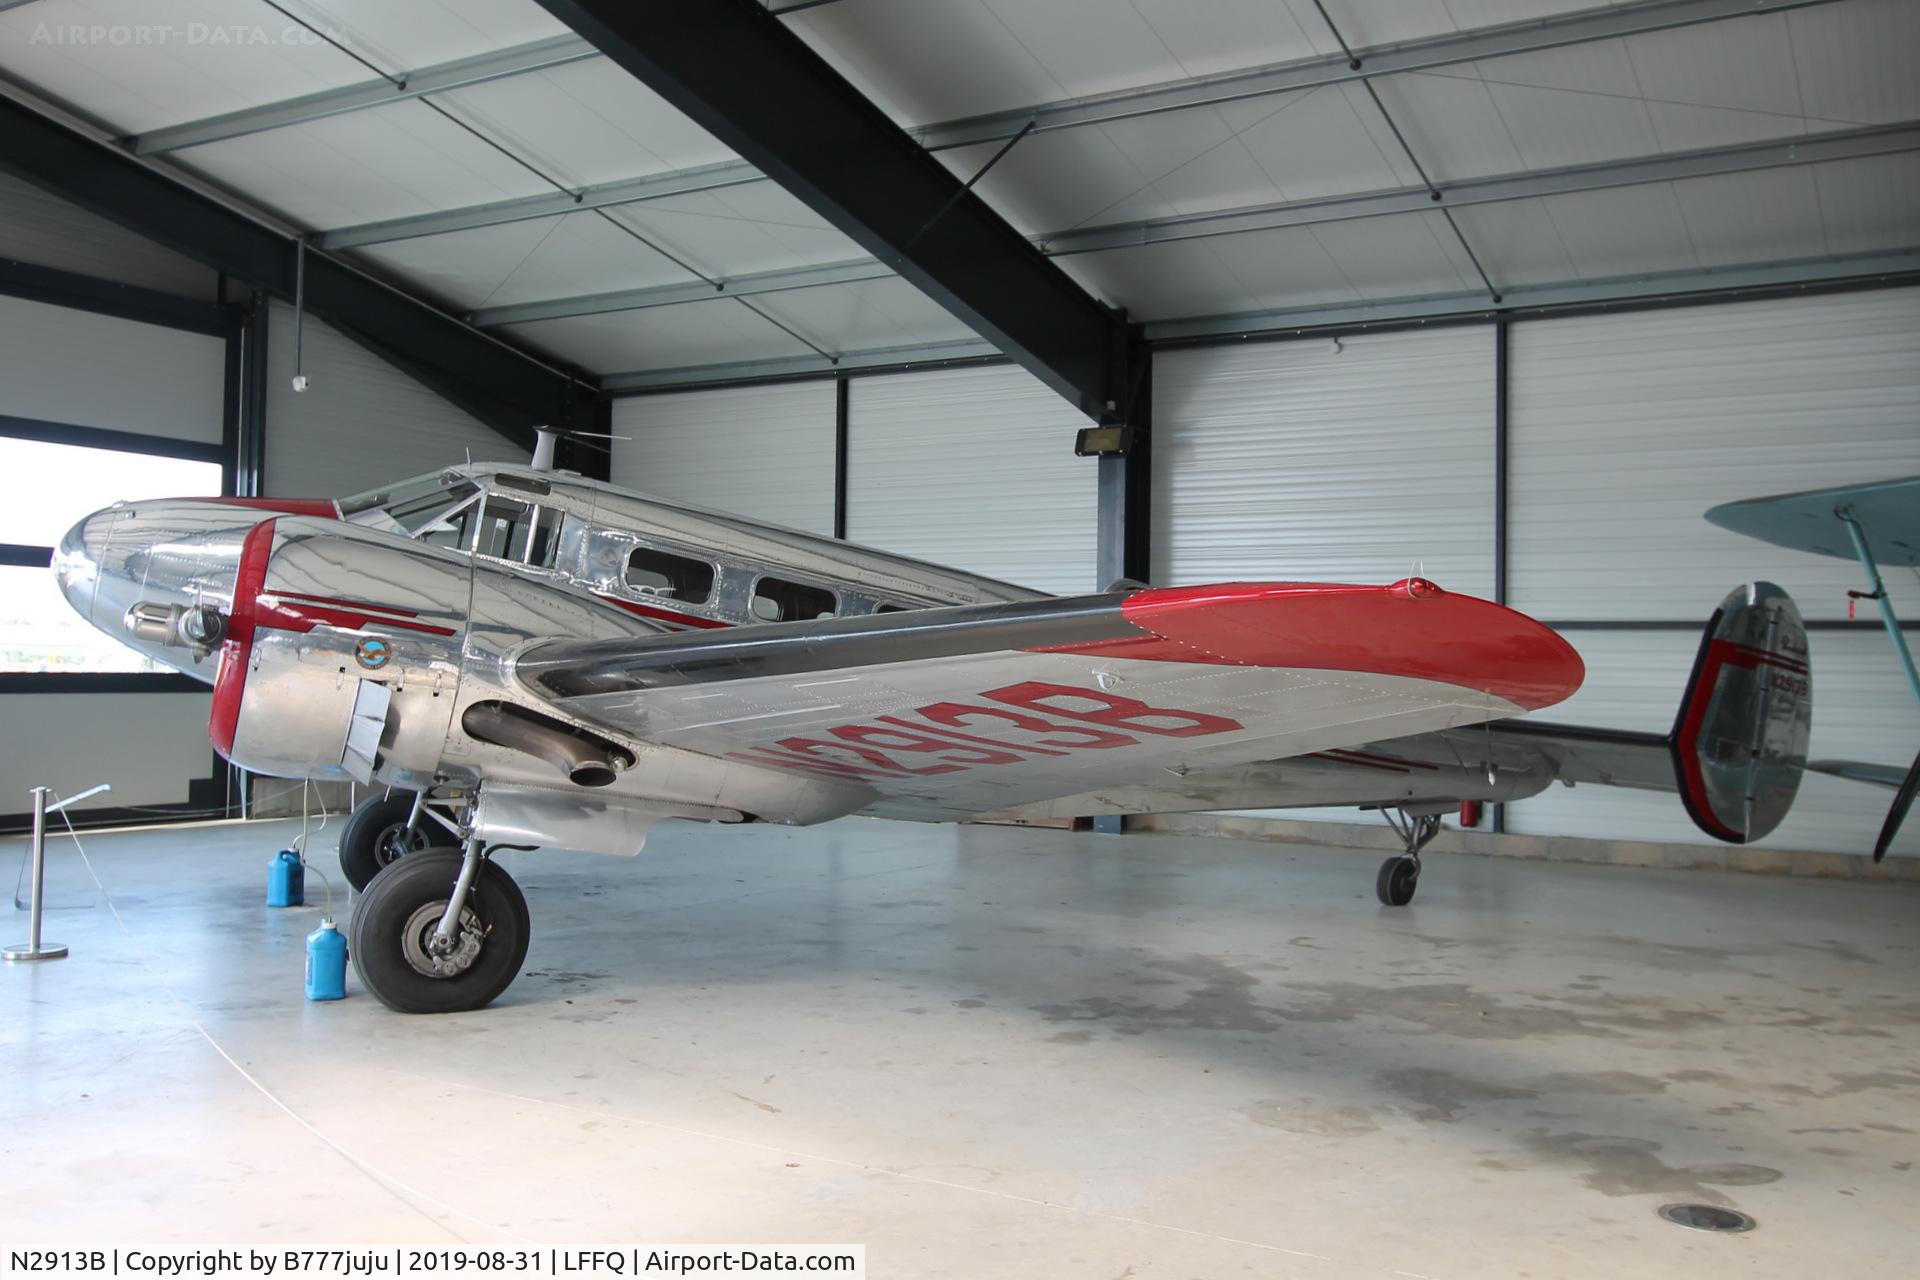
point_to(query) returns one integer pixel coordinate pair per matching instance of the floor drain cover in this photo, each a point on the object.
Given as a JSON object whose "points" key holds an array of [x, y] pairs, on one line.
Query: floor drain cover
{"points": [[1707, 1217]]}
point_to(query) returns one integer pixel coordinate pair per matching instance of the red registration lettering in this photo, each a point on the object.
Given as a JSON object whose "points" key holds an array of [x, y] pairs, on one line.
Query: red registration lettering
{"points": [[1112, 709]]}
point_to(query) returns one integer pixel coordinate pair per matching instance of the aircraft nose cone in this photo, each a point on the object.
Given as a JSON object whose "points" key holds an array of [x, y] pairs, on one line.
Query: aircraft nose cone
{"points": [[77, 560]]}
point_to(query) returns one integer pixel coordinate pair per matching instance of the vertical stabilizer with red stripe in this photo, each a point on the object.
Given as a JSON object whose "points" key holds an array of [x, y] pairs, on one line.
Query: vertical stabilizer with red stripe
{"points": [[1740, 742]]}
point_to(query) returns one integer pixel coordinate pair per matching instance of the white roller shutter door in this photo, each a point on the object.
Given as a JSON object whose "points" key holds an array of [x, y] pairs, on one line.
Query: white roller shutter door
{"points": [[361, 423], [973, 468], [1623, 430], [1300, 461], [89, 370], [1294, 460], [764, 452]]}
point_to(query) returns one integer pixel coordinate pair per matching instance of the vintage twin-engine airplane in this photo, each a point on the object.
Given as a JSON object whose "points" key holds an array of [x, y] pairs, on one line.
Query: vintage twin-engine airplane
{"points": [[529, 658]]}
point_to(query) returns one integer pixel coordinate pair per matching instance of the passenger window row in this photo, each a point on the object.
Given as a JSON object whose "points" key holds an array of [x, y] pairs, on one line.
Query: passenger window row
{"points": [[686, 580]]}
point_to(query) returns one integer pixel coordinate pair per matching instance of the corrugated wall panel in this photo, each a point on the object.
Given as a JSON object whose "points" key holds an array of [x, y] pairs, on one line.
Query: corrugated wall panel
{"points": [[1293, 460], [973, 468], [361, 423], [764, 452], [62, 365], [1625, 428], [39, 227]]}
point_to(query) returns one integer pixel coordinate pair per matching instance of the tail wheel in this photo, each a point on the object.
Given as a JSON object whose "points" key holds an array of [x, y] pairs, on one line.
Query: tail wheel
{"points": [[1399, 877], [391, 937], [376, 834]]}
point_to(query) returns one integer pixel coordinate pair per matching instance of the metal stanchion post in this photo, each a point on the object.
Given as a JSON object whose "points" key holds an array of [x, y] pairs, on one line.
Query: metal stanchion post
{"points": [[33, 948]]}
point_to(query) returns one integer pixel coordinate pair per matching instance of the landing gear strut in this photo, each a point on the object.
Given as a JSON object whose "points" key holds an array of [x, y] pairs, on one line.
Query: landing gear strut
{"points": [[440, 931], [1400, 875]]}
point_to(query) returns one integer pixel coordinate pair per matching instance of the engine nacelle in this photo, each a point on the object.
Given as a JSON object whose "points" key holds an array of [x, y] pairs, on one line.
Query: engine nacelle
{"points": [[340, 651]]}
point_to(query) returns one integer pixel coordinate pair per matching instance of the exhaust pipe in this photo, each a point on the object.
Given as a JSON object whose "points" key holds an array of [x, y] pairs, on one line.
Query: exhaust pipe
{"points": [[587, 761]]}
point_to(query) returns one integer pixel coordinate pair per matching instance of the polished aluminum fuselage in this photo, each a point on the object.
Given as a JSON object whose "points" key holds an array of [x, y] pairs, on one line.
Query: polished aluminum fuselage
{"points": [[299, 692]]}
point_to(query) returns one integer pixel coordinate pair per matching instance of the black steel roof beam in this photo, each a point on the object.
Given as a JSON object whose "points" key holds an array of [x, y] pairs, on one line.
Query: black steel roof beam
{"points": [[506, 388], [741, 74]]}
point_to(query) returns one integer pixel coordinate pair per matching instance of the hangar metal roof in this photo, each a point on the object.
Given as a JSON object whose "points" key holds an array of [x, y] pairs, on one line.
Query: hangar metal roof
{"points": [[1210, 165]]}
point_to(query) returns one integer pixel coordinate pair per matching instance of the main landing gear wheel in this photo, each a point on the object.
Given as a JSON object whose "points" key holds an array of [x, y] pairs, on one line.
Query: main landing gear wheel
{"points": [[1400, 875], [377, 833], [397, 948]]}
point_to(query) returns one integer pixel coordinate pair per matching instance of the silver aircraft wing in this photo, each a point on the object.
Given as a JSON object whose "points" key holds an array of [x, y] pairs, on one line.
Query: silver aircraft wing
{"points": [[950, 712]]}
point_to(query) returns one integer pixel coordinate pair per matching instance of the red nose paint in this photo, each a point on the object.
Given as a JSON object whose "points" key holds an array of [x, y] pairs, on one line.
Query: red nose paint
{"points": [[236, 651]]}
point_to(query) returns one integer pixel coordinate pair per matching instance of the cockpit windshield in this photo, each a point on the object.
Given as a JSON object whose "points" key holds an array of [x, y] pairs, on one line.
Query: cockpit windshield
{"points": [[429, 508]]}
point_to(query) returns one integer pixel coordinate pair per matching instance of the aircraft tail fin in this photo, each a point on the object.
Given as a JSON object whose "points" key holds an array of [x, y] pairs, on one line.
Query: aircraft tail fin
{"points": [[1739, 743]]}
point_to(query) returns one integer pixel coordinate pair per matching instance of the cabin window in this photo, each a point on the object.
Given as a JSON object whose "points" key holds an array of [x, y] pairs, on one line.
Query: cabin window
{"points": [[654, 572], [891, 608], [776, 600]]}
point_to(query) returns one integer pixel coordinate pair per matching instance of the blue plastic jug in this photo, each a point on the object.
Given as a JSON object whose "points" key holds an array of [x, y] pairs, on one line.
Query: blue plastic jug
{"points": [[326, 963], [286, 880]]}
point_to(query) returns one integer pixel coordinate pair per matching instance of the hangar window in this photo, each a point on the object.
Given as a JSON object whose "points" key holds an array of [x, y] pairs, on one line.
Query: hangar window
{"points": [[776, 600], [54, 484], [654, 572]]}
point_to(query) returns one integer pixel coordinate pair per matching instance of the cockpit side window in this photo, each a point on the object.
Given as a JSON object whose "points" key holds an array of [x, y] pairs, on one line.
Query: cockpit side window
{"points": [[431, 508], [777, 600], [652, 571]]}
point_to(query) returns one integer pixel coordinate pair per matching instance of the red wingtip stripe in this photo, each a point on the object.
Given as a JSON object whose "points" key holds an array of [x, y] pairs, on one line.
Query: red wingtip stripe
{"points": [[1410, 628]]}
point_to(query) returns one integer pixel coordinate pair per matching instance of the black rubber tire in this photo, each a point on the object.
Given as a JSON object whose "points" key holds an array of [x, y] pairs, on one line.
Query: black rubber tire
{"points": [[1399, 877], [376, 834], [375, 938]]}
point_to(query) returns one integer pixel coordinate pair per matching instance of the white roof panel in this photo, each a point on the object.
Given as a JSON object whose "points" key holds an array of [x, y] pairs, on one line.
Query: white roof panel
{"points": [[557, 257], [1052, 181], [1623, 231], [1870, 204], [419, 33], [1327, 142], [136, 65], [1768, 215], [1228, 35], [753, 227], [1855, 61], [691, 333], [1179, 278], [1452, 124], [1743, 63], [927, 60], [1405, 254], [866, 315], [1517, 243], [586, 122], [1554, 128], [387, 162]]}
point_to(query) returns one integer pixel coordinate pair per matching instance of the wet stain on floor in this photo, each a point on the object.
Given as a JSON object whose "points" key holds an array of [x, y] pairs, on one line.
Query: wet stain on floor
{"points": [[1619, 1166]]}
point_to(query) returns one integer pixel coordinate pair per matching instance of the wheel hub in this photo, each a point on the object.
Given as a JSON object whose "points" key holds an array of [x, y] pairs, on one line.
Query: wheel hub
{"points": [[434, 958], [396, 842]]}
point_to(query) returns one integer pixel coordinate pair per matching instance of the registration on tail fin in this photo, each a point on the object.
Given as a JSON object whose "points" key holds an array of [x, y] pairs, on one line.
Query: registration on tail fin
{"points": [[1740, 741]]}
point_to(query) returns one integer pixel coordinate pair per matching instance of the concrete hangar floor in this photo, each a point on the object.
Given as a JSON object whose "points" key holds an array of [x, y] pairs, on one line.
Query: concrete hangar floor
{"points": [[996, 1052]]}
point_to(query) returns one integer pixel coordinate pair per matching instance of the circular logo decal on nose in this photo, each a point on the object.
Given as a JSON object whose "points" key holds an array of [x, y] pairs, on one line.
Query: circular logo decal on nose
{"points": [[373, 653]]}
